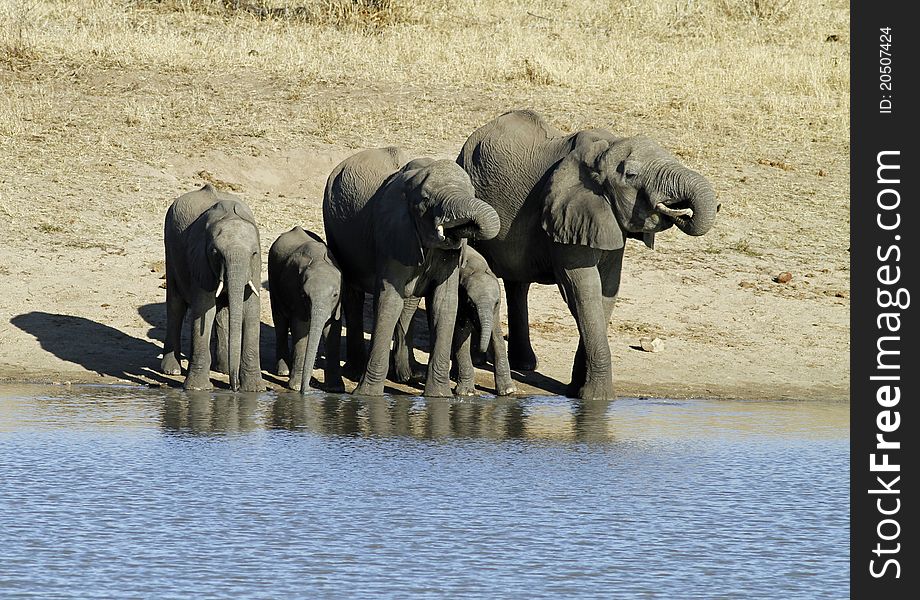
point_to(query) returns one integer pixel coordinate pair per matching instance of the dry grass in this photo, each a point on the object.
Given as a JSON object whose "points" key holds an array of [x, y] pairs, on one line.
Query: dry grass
{"points": [[754, 93]]}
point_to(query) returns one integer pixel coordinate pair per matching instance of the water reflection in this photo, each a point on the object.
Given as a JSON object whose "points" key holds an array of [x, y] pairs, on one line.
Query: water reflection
{"points": [[402, 416], [203, 412]]}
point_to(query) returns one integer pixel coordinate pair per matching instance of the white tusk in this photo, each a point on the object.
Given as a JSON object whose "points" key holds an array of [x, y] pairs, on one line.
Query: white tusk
{"points": [[674, 212], [252, 286], [220, 288], [440, 230]]}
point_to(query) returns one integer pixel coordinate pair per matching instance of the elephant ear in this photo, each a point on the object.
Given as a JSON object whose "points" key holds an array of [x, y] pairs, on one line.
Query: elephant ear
{"points": [[395, 235], [197, 246], [575, 210]]}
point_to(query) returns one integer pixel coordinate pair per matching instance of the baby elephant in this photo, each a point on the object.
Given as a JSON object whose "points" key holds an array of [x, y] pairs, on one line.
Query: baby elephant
{"points": [[213, 267], [305, 285], [477, 318]]}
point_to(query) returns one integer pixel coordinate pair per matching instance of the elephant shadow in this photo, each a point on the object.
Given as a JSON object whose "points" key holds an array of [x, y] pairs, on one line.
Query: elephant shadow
{"points": [[94, 346]]}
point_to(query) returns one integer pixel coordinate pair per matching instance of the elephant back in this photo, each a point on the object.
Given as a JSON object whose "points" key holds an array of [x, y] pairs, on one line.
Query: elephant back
{"points": [[186, 209], [507, 159], [347, 218]]}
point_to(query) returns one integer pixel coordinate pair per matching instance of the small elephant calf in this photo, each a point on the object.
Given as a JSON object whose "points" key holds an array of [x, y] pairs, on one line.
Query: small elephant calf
{"points": [[477, 316], [305, 285]]}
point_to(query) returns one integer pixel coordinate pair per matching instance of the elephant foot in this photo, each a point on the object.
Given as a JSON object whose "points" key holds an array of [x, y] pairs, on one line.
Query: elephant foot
{"points": [[197, 381], [592, 391], [505, 388], [464, 389], [252, 382], [369, 389], [524, 360], [294, 383], [409, 374], [282, 370], [438, 390], [170, 365]]}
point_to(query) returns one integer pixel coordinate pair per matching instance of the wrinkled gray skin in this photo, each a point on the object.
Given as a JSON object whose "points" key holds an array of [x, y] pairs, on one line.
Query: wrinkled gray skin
{"points": [[305, 286], [213, 264], [478, 321], [567, 203], [396, 227]]}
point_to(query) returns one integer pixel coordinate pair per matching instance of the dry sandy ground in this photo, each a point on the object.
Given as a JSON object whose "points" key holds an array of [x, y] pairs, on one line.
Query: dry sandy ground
{"points": [[83, 191]]}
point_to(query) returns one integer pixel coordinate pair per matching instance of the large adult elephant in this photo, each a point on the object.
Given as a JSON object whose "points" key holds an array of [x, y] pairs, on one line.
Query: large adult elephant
{"points": [[213, 264], [567, 203], [396, 227]]}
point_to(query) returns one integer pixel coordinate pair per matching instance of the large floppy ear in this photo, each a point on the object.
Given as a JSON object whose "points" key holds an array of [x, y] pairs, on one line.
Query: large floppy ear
{"points": [[395, 235], [575, 209], [198, 245]]}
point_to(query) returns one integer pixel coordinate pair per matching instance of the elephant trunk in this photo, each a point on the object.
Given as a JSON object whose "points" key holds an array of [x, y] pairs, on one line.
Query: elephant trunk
{"points": [[471, 218], [318, 317], [485, 328], [693, 191], [237, 274]]}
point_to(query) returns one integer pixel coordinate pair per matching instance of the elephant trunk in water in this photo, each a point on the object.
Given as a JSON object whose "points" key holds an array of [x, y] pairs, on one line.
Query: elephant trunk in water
{"points": [[318, 315], [237, 274], [691, 190], [485, 326], [471, 218]]}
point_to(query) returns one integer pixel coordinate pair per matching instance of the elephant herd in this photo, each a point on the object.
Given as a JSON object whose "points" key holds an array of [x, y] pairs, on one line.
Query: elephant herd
{"points": [[523, 202]]}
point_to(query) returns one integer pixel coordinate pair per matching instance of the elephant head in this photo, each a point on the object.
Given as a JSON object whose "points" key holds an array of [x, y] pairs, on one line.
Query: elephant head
{"points": [[225, 259], [443, 207], [607, 185], [320, 288]]}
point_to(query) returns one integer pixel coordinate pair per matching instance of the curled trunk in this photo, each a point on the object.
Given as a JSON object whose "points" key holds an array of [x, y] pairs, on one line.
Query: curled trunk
{"points": [[692, 190], [472, 218]]}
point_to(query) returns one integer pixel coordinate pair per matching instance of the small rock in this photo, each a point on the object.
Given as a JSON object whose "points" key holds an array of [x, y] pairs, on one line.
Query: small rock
{"points": [[784, 277], [651, 344], [163, 286], [747, 284]]}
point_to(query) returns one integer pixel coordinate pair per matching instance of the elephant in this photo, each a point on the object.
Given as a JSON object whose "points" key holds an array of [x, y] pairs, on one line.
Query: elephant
{"points": [[396, 227], [567, 203], [212, 261], [479, 301], [305, 285]]}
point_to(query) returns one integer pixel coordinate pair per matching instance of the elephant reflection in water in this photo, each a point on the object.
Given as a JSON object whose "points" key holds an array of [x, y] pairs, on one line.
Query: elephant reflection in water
{"points": [[436, 418], [203, 412]]}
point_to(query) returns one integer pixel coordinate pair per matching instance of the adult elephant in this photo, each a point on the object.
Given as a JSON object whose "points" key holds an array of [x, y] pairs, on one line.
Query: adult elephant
{"points": [[395, 227], [567, 203], [212, 264]]}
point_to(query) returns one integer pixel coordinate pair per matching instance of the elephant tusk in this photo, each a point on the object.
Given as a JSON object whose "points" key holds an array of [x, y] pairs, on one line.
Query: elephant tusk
{"points": [[674, 212], [440, 231], [252, 286], [220, 288]]}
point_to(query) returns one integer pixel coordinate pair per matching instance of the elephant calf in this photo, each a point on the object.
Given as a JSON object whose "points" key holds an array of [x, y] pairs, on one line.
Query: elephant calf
{"points": [[479, 301], [212, 261], [305, 285]]}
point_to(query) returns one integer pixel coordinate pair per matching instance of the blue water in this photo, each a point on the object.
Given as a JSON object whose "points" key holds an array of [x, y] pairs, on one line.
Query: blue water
{"points": [[136, 493]]}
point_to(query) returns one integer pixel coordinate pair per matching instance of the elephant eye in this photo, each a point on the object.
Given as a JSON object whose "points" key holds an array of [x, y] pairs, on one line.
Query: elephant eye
{"points": [[631, 175]]}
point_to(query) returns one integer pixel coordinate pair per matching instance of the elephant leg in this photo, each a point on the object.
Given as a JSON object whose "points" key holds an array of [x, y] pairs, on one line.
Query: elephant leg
{"points": [[175, 314], [250, 362], [282, 349], [504, 384], [583, 292], [222, 352], [355, 351], [405, 368], [443, 311], [332, 376], [466, 373], [199, 365], [609, 269], [520, 351], [389, 305], [300, 330]]}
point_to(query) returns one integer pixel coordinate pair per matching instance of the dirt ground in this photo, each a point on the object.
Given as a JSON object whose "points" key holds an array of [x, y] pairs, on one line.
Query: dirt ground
{"points": [[90, 159]]}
